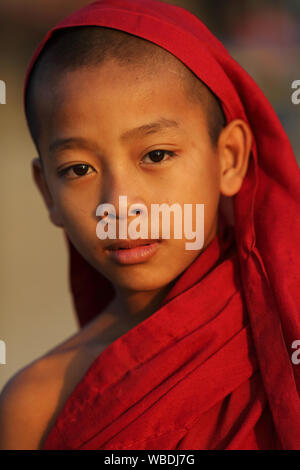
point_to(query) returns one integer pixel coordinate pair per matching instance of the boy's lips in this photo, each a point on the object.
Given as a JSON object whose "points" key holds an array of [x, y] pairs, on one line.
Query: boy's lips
{"points": [[132, 251], [128, 244]]}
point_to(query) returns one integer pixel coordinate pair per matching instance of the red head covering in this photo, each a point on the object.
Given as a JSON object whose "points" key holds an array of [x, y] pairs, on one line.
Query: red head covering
{"points": [[266, 209]]}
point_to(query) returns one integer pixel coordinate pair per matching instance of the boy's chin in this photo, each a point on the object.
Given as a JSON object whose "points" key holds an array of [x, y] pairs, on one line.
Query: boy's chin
{"points": [[136, 282]]}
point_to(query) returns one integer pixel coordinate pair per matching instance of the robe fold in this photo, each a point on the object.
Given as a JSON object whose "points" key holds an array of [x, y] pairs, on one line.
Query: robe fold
{"points": [[211, 368], [185, 378]]}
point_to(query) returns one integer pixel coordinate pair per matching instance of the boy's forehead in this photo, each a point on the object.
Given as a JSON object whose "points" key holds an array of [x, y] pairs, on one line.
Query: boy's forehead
{"points": [[111, 69], [164, 85], [112, 79], [88, 99]]}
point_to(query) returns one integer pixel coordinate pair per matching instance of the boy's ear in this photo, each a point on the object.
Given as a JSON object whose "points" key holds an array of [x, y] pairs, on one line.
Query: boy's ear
{"points": [[234, 148], [40, 180]]}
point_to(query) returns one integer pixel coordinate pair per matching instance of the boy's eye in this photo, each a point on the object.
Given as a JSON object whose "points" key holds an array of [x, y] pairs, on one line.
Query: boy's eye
{"points": [[156, 156], [75, 171], [83, 169]]}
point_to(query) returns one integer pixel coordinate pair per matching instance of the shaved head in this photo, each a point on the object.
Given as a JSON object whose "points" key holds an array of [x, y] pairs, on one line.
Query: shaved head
{"points": [[90, 46]]}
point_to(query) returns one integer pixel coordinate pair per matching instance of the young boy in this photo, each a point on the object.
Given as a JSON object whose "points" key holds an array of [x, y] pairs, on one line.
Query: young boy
{"points": [[179, 348]]}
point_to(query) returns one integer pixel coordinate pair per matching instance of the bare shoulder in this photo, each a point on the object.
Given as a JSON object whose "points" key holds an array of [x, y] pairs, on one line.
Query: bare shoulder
{"points": [[26, 403], [32, 399]]}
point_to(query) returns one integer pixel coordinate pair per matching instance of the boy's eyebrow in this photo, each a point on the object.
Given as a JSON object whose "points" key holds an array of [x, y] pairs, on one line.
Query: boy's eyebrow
{"points": [[149, 128], [71, 142]]}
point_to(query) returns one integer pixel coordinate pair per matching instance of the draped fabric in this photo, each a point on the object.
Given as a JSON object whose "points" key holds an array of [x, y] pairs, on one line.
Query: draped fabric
{"points": [[185, 378], [211, 368]]}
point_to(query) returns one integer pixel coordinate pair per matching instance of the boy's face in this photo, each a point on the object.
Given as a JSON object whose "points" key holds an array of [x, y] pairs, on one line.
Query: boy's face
{"points": [[95, 107]]}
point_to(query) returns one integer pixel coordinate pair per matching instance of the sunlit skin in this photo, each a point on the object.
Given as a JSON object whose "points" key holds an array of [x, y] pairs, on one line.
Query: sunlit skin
{"points": [[97, 106]]}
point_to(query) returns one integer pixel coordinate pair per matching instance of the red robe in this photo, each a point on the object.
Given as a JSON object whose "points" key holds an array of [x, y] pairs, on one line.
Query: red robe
{"points": [[211, 368]]}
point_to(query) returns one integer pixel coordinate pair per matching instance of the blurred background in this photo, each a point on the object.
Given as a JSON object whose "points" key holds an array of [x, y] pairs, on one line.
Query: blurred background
{"points": [[36, 311]]}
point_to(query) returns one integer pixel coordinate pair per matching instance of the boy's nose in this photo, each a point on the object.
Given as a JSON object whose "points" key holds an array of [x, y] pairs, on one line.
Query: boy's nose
{"points": [[121, 183]]}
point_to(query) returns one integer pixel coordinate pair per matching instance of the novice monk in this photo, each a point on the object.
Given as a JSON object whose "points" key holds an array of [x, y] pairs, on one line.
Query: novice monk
{"points": [[179, 349]]}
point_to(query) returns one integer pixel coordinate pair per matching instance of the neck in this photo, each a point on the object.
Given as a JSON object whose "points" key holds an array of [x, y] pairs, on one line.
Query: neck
{"points": [[136, 306]]}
